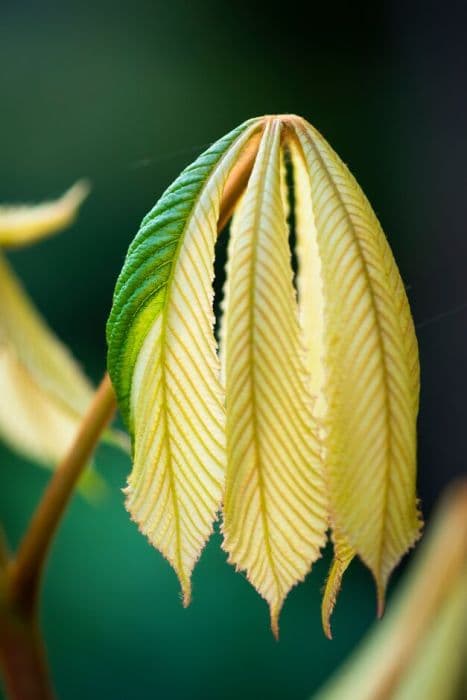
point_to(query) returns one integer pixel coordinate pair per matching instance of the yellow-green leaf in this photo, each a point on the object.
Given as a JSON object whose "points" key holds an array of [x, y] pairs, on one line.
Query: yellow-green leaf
{"points": [[371, 378], [163, 360], [274, 507], [24, 224]]}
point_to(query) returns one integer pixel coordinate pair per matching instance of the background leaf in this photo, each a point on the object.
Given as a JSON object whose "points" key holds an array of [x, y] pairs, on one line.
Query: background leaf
{"points": [[27, 223], [44, 391], [418, 649]]}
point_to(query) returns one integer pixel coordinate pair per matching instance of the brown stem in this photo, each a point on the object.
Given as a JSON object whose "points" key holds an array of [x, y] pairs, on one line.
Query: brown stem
{"points": [[238, 180], [22, 660], [22, 655], [26, 569]]}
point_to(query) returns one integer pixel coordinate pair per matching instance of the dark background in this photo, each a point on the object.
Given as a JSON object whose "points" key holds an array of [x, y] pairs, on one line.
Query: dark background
{"points": [[127, 93]]}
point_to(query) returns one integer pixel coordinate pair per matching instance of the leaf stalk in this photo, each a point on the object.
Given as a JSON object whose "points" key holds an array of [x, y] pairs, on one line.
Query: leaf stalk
{"points": [[22, 654]]}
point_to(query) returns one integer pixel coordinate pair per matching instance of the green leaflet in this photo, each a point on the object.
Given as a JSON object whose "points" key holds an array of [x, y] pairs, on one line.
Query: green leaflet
{"points": [[140, 291], [163, 362]]}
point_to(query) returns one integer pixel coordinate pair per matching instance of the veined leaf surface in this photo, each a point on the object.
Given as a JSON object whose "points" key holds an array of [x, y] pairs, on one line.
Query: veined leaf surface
{"points": [[24, 224], [309, 284], [274, 508], [372, 383], [312, 318], [163, 360], [332, 379]]}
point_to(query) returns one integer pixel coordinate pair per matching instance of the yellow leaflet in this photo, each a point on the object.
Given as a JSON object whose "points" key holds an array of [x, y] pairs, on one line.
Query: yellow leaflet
{"points": [[275, 508], [226, 295], [311, 307], [177, 403], [309, 284], [371, 368], [284, 187], [24, 224]]}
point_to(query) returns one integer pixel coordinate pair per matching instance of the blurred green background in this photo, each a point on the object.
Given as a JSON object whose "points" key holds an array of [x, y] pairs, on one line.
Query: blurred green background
{"points": [[127, 93]]}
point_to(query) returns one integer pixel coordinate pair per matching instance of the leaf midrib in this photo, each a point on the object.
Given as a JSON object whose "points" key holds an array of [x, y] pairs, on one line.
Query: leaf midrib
{"points": [[252, 361], [163, 340]]}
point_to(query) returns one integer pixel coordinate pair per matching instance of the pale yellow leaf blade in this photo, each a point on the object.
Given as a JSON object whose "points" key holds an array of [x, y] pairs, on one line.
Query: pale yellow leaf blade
{"points": [[177, 401], [274, 507], [312, 319], [31, 422], [309, 284], [24, 224], [372, 368], [36, 426]]}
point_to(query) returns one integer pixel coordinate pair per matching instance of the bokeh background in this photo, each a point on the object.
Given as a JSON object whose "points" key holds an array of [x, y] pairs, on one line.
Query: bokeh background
{"points": [[127, 93]]}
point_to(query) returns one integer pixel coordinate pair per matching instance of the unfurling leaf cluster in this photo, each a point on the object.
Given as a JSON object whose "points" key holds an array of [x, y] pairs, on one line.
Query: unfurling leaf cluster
{"points": [[304, 419]]}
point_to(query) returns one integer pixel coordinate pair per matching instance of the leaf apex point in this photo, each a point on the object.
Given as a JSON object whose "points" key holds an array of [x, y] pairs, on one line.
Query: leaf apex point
{"points": [[381, 600], [274, 613], [326, 612], [80, 190], [186, 593]]}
